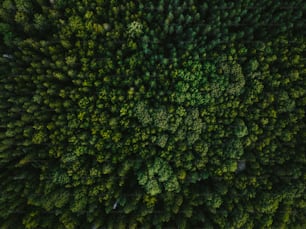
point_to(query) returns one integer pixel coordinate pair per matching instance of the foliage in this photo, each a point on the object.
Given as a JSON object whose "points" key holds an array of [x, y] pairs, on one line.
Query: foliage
{"points": [[129, 114]]}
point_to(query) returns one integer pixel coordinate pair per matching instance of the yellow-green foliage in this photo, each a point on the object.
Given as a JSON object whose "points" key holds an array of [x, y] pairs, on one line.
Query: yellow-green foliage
{"points": [[152, 114]]}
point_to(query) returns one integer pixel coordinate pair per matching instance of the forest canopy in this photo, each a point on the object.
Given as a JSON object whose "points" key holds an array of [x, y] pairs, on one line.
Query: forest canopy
{"points": [[152, 114]]}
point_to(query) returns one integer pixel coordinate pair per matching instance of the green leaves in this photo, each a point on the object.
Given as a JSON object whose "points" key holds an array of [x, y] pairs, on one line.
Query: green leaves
{"points": [[134, 29], [158, 175], [241, 129], [152, 187], [40, 22], [189, 82], [142, 113], [125, 115]]}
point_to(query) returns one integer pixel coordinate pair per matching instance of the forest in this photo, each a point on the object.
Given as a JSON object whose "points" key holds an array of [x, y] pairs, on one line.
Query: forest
{"points": [[152, 114]]}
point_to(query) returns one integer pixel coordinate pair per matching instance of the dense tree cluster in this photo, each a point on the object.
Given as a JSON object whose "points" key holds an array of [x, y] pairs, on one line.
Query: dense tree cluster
{"points": [[152, 114]]}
